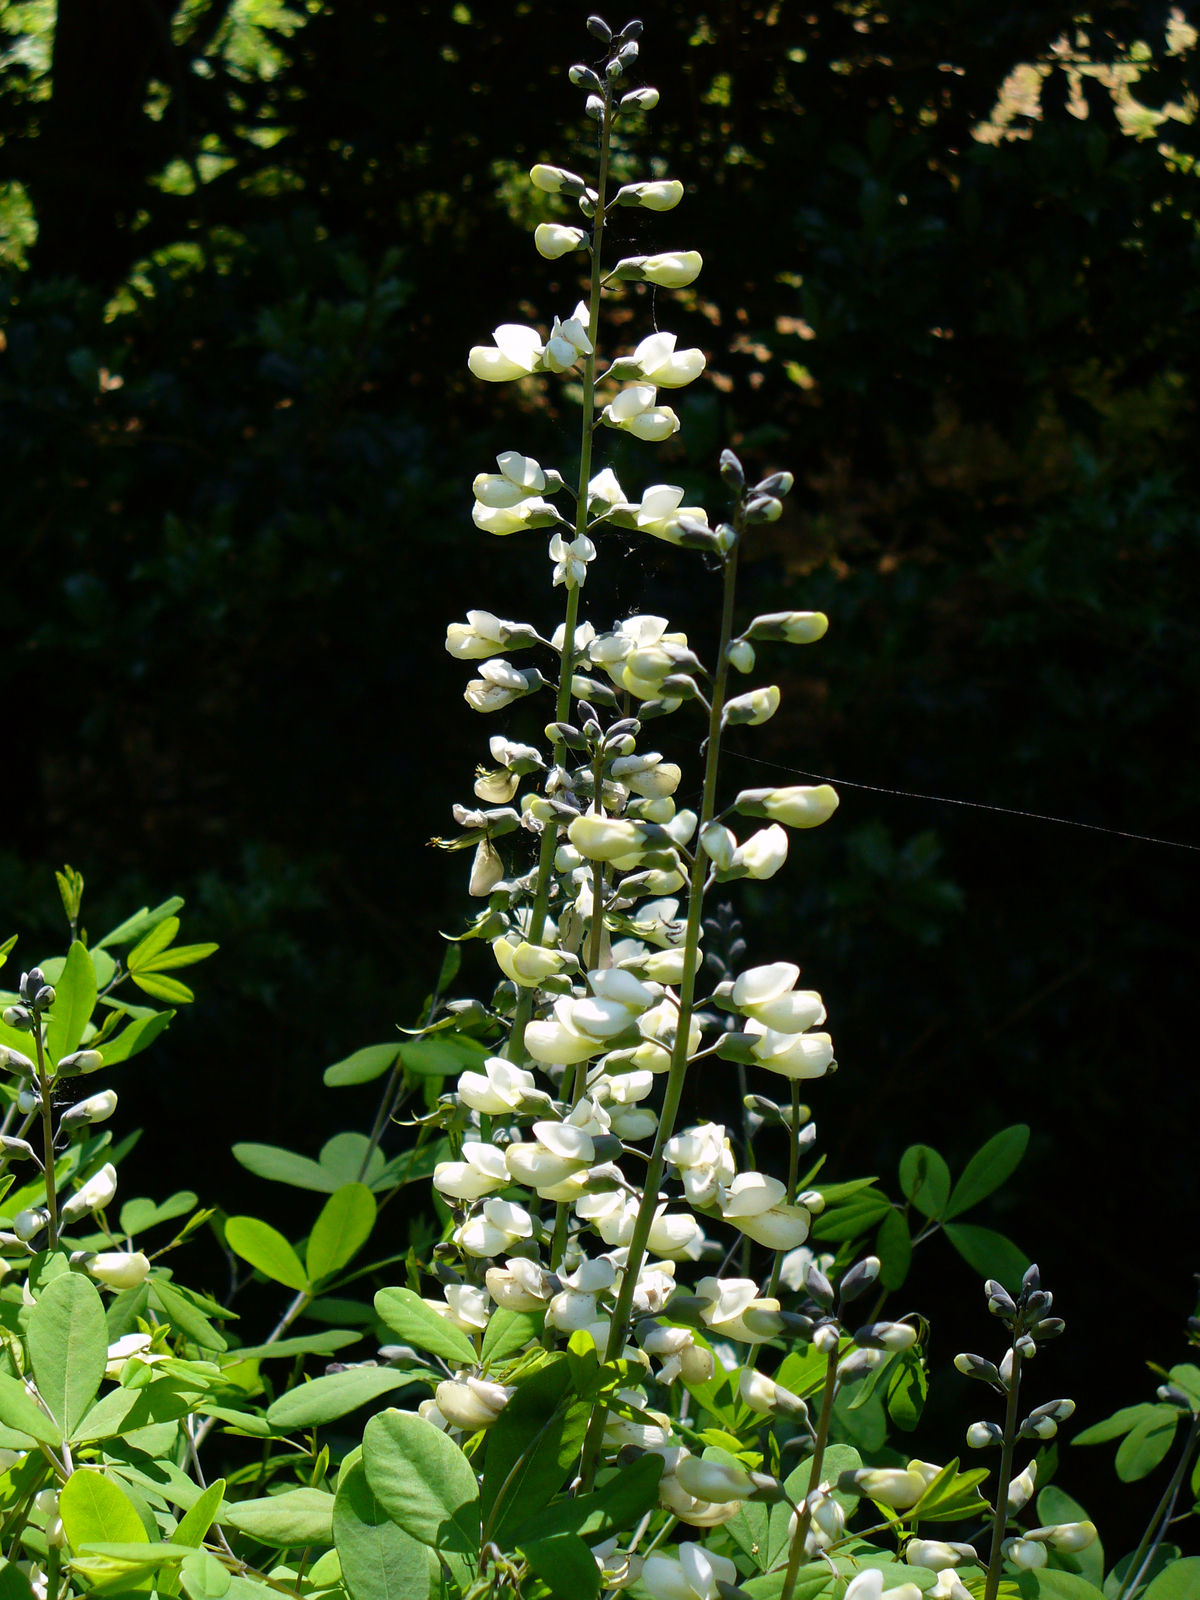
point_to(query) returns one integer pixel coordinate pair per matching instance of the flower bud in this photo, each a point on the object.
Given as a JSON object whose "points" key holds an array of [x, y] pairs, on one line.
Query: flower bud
{"points": [[28, 1223], [826, 1338], [977, 1367], [119, 1269], [714, 1480], [1000, 1302], [661, 195], [599, 29], [1066, 1537], [13, 1060], [80, 1061], [594, 105], [552, 240], [886, 1336], [556, 180], [471, 1403], [754, 708], [740, 655], [20, 1018], [673, 269], [897, 1487], [859, 1279], [602, 838], [719, 844], [791, 627], [696, 1364], [763, 508], [1020, 1489], [937, 1555], [1027, 1554], [93, 1196], [640, 100], [17, 1149]]}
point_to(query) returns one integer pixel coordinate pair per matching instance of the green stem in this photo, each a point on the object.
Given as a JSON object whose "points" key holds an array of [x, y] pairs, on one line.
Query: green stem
{"points": [[679, 1054], [1151, 1539], [47, 1135], [1000, 1525], [562, 710], [793, 1179], [804, 1517]]}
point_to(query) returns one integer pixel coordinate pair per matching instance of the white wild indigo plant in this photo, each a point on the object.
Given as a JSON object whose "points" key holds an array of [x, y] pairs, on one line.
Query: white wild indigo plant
{"points": [[593, 1397]]}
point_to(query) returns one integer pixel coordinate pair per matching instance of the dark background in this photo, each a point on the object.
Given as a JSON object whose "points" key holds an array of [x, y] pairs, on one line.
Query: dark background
{"points": [[228, 575]]}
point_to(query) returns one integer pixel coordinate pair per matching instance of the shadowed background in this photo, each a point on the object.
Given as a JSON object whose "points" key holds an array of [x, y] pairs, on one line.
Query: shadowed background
{"points": [[247, 248]]}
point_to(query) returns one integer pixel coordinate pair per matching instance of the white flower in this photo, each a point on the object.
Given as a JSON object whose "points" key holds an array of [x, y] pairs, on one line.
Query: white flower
{"points": [[1026, 1554], [661, 513], [94, 1194], [802, 805], [704, 1159], [119, 1269], [498, 1228], [672, 269], [1020, 1488], [1067, 1537], [568, 341], [603, 838], [97, 1108], [557, 1151], [754, 1203], [868, 1585], [556, 180], [793, 1269], [130, 1344], [610, 983], [481, 1171], [526, 964], [466, 1307], [471, 1403], [661, 364], [530, 512], [754, 708], [498, 685], [571, 559], [936, 1555], [634, 411], [735, 1310], [500, 1087], [662, 194], [573, 1309], [694, 1576], [520, 1285], [552, 239], [792, 1055], [483, 635], [763, 853], [719, 844], [429, 1411], [897, 1487], [658, 1028], [519, 478], [516, 353]]}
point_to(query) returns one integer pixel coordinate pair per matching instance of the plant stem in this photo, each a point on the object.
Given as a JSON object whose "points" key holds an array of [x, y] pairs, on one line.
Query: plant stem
{"points": [[793, 1178], [566, 673], [47, 1136], [804, 1517], [1157, 1527], [679, 1054], [1006, 1462]]}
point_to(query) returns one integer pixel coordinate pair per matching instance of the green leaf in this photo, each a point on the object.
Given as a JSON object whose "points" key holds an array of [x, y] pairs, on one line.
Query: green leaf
{"points": [[531, 1447], [177, 1306], [407, 1315], [619, 1504], [566, 1565], [894, 1246], [1056, 1505], [748, 1529], [803, 1371], [195, 1523], [265, 1247], [305, 1344], [285, 1166], [68, 1345], [154, 943], [345, 1156], [906, 1391], [93, 1509], [1163, 1557], [297, 1517], [138, 1216], [988, 1168], [442, 1057], [857, 1216], [203, 1577], [180, 955], [510, 1331], [14, 1585], [168, 989], [423, 1481], [1051, 1584], [989, 1253], [953, 1496], [135, 1037], [309, 1405], [371, 1062], [341, 1230], [1179, 1581], [1144, 1446], [135, 926], [925, 1179], [75, 999], [379, 1560], [21, 1412], [411, 1165], [1187, 1378], [1113, 1427]]}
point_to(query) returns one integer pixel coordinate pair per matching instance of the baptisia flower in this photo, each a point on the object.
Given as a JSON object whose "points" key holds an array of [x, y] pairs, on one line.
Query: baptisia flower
{"points": [[793, 1055], [483, 635], [791, 627], [499, 1088], [659, 1027], [634, 411], [126, 1348], [574, 1308], [465, 1307], [769, 995], [571, 559], [753, 709], [92, 1196], [671, 269], [471, 1403], [799, 806], [556, 180], [868, 1585], [676, 1236], [761, 856], [754, 1202], [704, 1160], [936, 1555], [568, 341], [515, 761], [119, 1269], [654, 1433], [520, 1285], [897, 1487], [481, 1171], [618, 1568], [657, 361], [696, 1575], [680, 1355], [650, 776], [639, 654], [557, 1151], [662, 194], [516, 353], [526, 964], [734, 1310], [511, 499], [794, 1268], [499, 1226], [768, 1398], [662, 515], [697, 1513], [553, 239], [1025, 1554], [499, 684]]}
